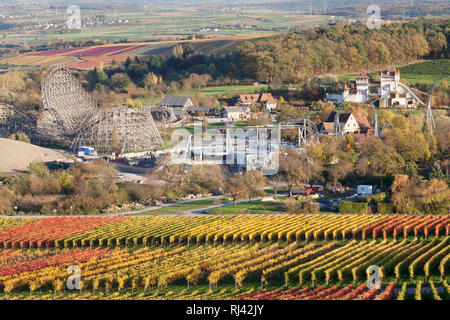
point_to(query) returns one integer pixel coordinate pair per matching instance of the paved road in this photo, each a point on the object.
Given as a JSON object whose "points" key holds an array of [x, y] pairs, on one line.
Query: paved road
{"points": [[141, 212]]}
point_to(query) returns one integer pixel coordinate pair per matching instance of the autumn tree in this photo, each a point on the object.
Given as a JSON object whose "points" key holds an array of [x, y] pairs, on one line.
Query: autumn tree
{"points": [[291, 169], [255, 182], [236, 187]]}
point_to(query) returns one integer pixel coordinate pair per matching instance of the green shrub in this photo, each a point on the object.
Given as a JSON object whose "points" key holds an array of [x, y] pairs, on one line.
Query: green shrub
{"points": [[386, 208], [292, 206], [376, 198], [311, 207], [353, 207]]}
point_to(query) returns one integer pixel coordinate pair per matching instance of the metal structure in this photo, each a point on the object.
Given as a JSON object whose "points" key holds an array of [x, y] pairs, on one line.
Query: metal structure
{"points": [[71, 118], [307, 130], [265, 137], [429, 123]]}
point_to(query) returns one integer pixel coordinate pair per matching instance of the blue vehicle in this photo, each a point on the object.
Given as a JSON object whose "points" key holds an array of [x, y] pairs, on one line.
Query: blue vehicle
{"points": [[88, 151]]}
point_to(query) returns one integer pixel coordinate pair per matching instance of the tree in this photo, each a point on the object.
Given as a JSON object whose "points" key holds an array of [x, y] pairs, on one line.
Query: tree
{"points": [[291, 168], [236, 186], [436, 172], [326, 111], [20, 136], [218, 202], [438, 43], [254, 181], [384, 159], [292, 206], [177, 51], [209, 177], [340, 170], [100, 75], [386, 116], [400, 122], [420, 45], [151, 80], [430, 197], [120, 80], [129, 103], [276, 182], [188, 50], [411, 146]]}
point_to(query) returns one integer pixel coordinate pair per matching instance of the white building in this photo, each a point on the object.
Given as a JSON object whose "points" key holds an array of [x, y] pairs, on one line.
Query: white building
{"points": [[348, 122], [236, 113], [388, 90]]}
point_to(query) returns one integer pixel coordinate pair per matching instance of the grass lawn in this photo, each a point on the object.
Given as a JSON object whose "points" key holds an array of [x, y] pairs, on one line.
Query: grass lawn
{"points": [[210, 91], [251, 207], [194, 205]]}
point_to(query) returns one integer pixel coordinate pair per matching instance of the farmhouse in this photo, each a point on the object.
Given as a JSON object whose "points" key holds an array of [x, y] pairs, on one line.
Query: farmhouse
{"points": [[236, 113], [388, 90], [265, 99], [176, 102], [349, 124]]}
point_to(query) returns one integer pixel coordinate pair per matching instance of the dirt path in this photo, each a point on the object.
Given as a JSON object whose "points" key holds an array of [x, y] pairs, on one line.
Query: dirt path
{"points": [[16, 156]]}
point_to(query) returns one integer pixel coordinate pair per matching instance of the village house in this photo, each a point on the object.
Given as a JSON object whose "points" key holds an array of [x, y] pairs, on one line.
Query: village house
{"points": [[349, 124], [388, 90], [177, 102], [236, 113], [265, 99]]}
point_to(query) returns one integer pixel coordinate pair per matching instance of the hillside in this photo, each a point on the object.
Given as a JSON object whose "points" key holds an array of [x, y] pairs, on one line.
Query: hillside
{"points": [[16, 155]]}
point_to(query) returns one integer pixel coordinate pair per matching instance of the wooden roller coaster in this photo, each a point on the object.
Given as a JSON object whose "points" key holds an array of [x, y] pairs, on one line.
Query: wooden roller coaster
{"points": [[70, 118]]}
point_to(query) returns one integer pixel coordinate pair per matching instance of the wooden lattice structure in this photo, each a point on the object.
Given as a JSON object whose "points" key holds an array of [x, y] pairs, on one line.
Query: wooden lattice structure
{"points": [[71, 118], [13, 120], [66, 107], [120, 129]]}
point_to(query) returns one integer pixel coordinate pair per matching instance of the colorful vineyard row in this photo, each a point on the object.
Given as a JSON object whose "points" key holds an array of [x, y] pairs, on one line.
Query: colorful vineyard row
{"points": [[91, 51], [108, 231], [290, 228], [322, 293], [405, 259], [144, 268], [43, 233]]}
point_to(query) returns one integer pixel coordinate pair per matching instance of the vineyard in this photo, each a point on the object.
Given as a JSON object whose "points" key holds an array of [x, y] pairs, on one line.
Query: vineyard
{"points": [[243, 257], [85, 58], [434, 67]]}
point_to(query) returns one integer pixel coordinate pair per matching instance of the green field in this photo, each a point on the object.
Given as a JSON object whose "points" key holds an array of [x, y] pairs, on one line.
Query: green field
{"points": [[209, 91], [433, 67], [177, 208], [250, 207], [421, 72], [156, 21]]}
